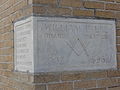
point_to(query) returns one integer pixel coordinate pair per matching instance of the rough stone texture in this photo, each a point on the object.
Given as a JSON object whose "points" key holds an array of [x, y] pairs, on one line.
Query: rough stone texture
{"points": [[12, 10], [43, 44]]}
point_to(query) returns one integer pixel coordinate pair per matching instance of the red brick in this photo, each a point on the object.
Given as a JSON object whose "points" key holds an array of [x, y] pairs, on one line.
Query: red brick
{"points": [[66, 76], [59, 11], [114, 88], [85, 84], [77, 12], [47, 77], [97, 89], [44, 2], [96, 5], [61, 86], [111, 6], [107, 82], [105, 14], [113, 73], [71, 3]]}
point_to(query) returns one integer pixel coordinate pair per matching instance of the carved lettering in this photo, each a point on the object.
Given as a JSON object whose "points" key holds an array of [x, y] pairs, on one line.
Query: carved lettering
{"points": [[23, 45], [48, 44]]}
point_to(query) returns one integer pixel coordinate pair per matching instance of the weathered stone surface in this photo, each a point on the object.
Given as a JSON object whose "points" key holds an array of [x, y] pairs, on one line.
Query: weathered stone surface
{"points": [[64, 44]]}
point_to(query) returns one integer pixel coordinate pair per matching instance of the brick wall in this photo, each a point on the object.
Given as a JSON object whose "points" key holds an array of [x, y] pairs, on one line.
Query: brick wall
{"points": [[12, 10]]}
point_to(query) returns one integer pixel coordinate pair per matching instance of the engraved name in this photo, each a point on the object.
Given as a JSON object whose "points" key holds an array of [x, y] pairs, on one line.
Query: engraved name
{"points": [[63, 30]]}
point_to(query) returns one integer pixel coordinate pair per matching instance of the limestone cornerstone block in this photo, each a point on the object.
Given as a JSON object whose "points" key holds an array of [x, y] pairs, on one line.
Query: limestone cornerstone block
{"points": [[47, 44]]}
